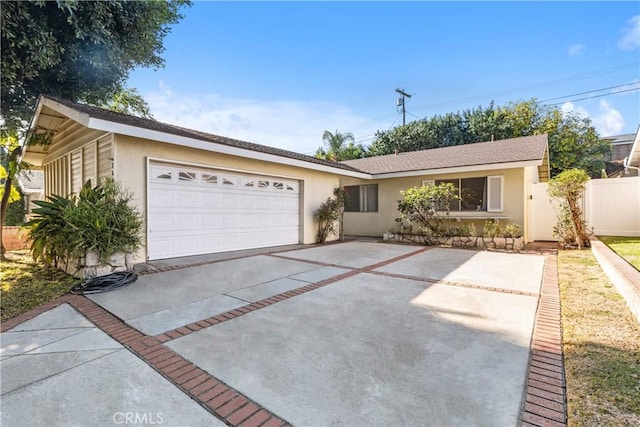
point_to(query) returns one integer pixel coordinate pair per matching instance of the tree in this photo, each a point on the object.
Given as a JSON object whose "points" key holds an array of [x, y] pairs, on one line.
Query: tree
{"points": [[567, 190], [77, 50], [128, 101], [573, 141], [339, 146]]}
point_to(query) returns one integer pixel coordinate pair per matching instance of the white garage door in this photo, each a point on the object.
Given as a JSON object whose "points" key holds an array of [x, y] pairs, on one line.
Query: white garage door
{"points": [[198, 211]]}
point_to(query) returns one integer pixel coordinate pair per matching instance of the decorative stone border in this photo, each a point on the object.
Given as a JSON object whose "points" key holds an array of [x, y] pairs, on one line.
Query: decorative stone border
{"points": [[90, 266], [505, 243]]}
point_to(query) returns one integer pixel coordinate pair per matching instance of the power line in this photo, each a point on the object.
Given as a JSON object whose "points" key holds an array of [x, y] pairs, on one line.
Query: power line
{"points": [[596, 96], [595, 90], [419, 118], [583, 76]]}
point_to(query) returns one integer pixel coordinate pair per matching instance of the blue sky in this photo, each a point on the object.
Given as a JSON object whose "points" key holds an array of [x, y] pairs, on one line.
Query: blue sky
{"points": [[280, 74]]}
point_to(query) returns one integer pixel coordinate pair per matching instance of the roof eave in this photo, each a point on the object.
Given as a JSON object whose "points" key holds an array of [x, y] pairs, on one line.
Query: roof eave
{"points": [[138, 132], [459, 169]]}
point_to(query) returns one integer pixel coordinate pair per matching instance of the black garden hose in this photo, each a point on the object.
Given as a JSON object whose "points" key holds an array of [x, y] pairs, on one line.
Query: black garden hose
{"points": [[96, 285]]}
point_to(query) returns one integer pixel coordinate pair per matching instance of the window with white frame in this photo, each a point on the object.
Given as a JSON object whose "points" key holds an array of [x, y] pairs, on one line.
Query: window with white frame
{"points": [[476, 194], [361, 198]]}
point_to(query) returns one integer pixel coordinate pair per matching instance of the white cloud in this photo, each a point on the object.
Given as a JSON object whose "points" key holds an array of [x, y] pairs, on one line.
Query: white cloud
{"points": [[630, 34], [575, 49], [607, 122], [569, 106], [292, 125]]}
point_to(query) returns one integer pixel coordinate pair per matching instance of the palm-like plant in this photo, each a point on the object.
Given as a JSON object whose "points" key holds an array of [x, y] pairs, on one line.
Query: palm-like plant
{"points": [[339, 146]]}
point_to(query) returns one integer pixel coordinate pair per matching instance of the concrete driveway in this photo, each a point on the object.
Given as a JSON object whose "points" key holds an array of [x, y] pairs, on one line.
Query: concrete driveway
{"points": [[355, 334]]}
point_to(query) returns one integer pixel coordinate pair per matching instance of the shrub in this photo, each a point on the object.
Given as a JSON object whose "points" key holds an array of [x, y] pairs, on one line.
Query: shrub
{"points": [[494, 229], [512, 230], [567, 190], [329, 214], [428, 207], [464, 230], [491, 229], [98, 219]]}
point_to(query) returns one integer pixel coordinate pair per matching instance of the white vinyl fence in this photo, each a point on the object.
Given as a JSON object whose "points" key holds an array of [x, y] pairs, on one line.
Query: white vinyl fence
{"points": [[611, 208]]}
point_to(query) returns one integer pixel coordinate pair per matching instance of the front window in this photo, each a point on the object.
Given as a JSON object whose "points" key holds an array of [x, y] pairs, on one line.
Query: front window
{"points": [[361, 198], [472, 193]]}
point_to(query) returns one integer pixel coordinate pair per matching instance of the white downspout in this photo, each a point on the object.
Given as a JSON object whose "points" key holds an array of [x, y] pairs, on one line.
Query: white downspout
{"points": [[626, 164]]}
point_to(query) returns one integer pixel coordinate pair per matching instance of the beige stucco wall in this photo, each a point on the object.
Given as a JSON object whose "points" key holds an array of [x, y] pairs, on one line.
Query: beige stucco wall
{"points": [[130, 157], [383, 221]]}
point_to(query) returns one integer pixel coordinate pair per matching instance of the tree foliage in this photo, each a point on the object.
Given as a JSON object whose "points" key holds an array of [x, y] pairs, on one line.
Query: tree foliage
{"points": [[567, 190], [128, 101], [77, 50], [573, 141], [339, 146]]}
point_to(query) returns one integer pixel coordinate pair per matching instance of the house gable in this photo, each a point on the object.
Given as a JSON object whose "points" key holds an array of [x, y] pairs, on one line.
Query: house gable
{"points": [[52, 113]]}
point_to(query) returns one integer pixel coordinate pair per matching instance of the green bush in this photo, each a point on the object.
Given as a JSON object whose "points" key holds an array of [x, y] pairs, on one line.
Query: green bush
{"points": [[98, 219], [428, 207], [464, 230], [329, 214], [494, 229], [512, 230]]}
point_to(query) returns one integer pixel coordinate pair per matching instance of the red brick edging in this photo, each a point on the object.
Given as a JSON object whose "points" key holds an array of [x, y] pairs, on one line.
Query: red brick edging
{"points": [[219, 399], [545, 402]]}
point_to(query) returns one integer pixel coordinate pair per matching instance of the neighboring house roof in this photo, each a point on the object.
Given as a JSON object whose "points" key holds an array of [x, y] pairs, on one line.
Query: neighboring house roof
{"points": [[100, 115], [514, 150], [621, 146], [626, 138], [31, 181]]}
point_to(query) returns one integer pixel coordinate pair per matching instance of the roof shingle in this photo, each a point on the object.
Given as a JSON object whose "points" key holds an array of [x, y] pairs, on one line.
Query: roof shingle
{"points": [[482, 153], [150, 124]]}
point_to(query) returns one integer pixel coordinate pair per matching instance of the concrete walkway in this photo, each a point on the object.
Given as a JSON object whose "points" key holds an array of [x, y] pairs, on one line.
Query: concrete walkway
{"points": [[358, 333], [59, 369]]}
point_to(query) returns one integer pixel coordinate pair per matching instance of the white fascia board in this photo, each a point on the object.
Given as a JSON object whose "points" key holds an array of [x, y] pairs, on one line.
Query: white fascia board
{"points": [[215, 147], [459, 169], [82, 118]]}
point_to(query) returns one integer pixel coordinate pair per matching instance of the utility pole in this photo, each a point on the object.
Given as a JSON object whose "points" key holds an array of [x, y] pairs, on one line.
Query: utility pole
{"points": [[400, 102]]}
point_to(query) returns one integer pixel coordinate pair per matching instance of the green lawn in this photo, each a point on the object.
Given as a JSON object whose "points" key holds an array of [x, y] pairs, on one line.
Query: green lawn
{"points": [[26, 284], [627, 247], [601, 346]]}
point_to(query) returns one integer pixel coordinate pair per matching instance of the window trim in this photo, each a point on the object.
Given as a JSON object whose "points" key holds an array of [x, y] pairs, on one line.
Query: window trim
{"points": [[501, 180], [490, 208]]}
